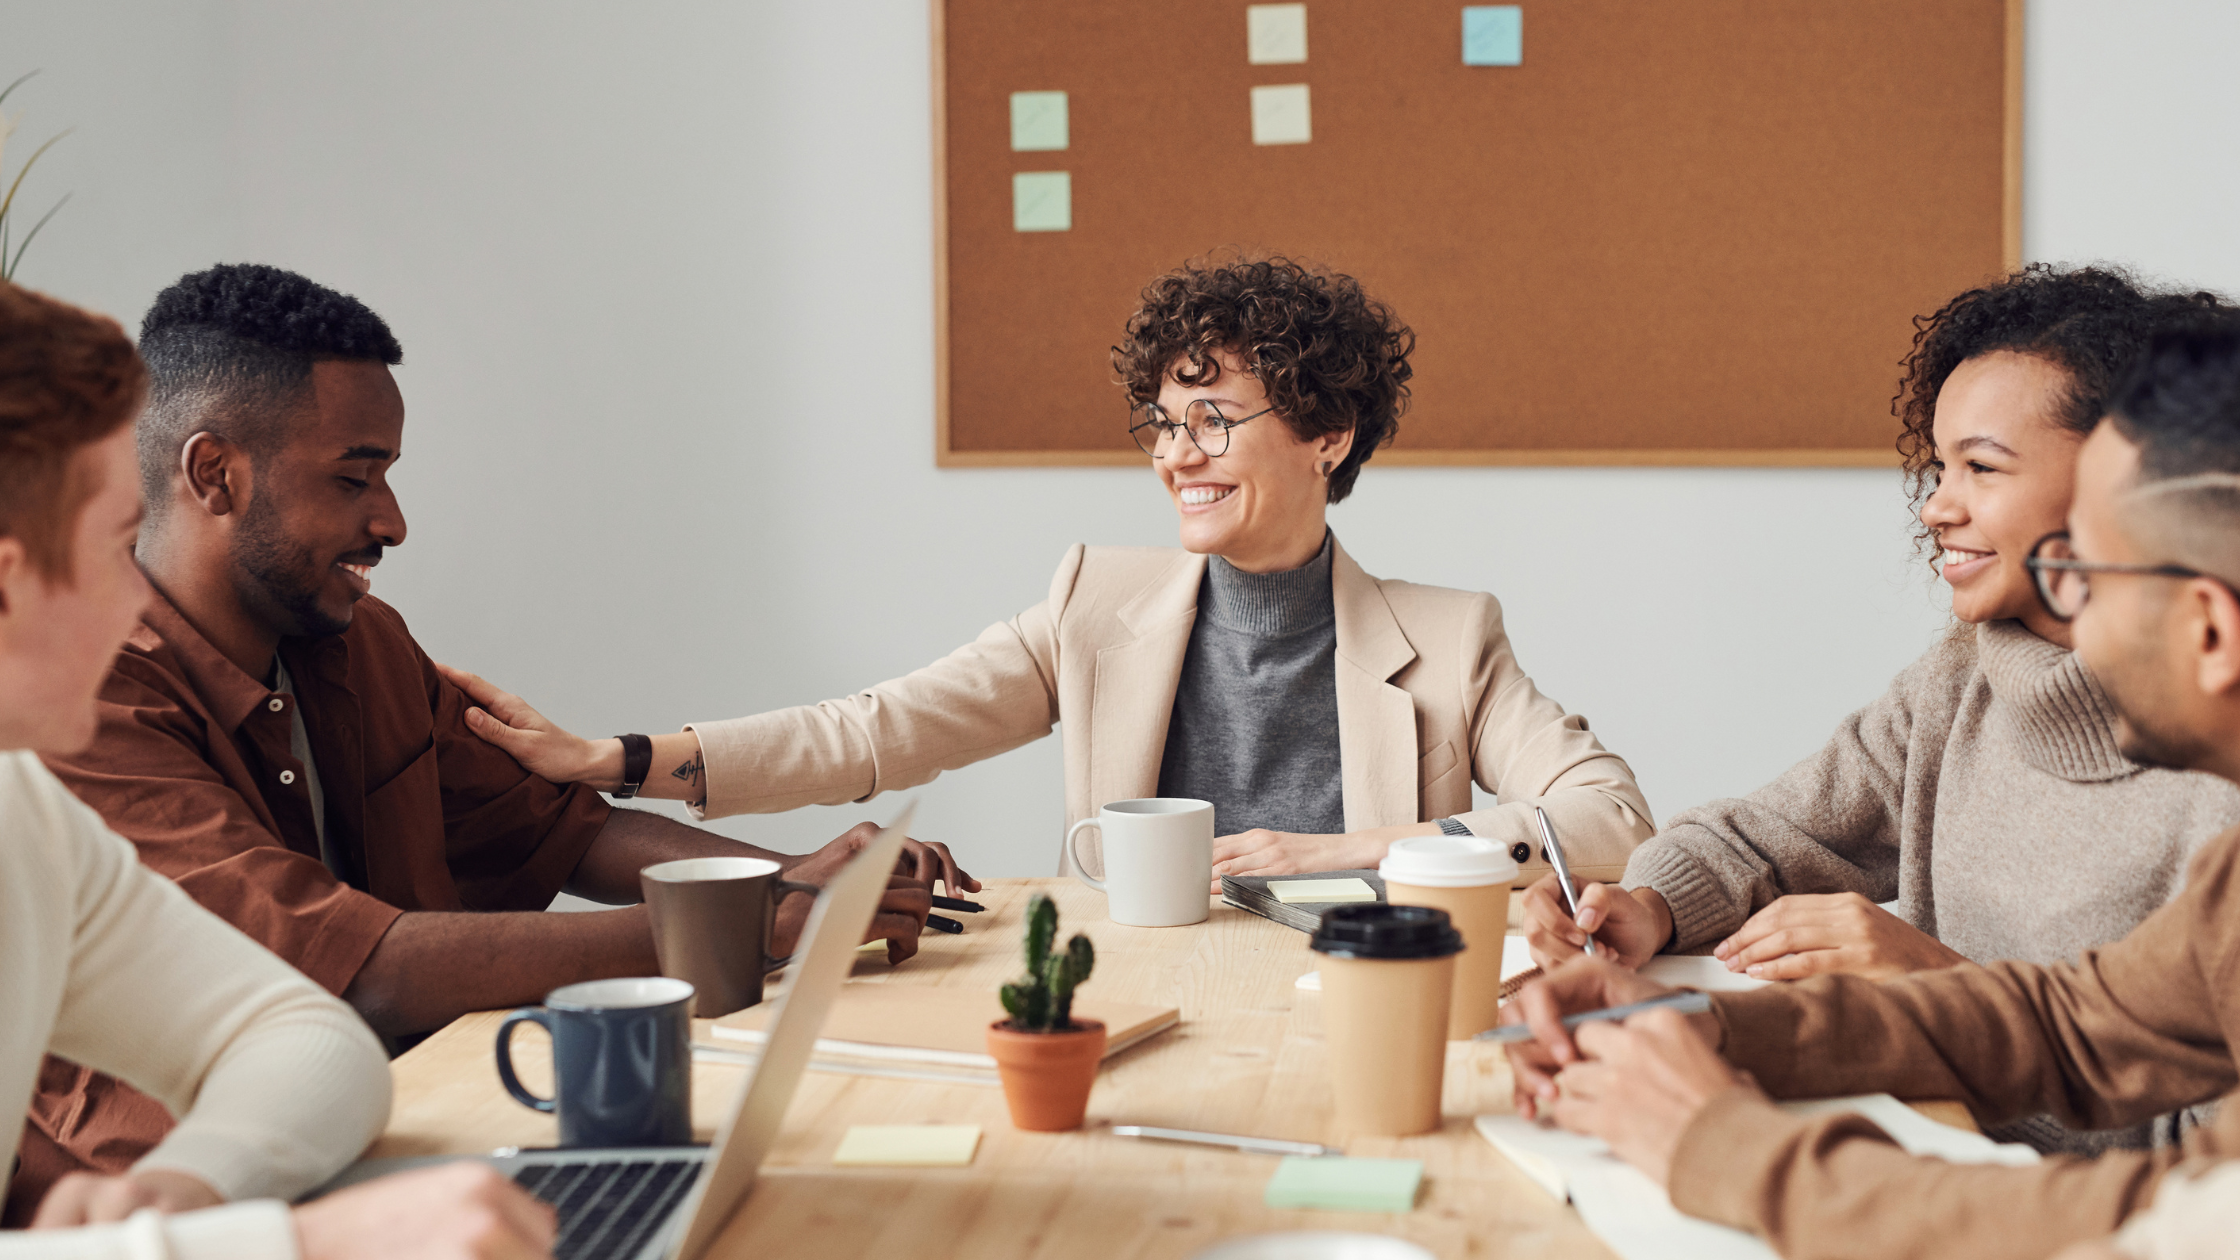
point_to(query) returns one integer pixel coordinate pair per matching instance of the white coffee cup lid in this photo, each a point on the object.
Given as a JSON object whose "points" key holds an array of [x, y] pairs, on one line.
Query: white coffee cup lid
{"points": [[1447, 862]]}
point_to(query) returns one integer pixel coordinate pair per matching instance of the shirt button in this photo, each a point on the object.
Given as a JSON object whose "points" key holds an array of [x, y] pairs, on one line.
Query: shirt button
{"points": [[287, 776], [276, 704]]}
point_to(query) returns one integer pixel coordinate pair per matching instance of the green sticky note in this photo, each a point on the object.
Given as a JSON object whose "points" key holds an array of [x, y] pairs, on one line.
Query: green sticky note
{"points": [[1493, 35], [1042, 201], [1336, 1184], [1038, 121]]}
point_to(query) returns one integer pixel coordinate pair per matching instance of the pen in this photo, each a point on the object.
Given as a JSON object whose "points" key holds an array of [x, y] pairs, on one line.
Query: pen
{"points": [[943, 923], [1252, 1145], [957, 903], [1554, 851], [1686, 1001]]}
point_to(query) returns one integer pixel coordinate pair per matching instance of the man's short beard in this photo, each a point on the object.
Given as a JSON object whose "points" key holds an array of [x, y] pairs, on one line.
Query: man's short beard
{"points": [[278, 578]]}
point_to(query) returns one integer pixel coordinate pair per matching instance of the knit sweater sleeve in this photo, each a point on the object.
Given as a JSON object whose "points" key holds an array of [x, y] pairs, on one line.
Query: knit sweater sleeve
{"points": [[1833, 822], [277, 1084], [2119, 1034]]}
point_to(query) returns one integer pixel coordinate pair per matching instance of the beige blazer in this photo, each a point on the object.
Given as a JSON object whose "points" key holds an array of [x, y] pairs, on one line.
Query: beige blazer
{"points": [[1429, 699]]}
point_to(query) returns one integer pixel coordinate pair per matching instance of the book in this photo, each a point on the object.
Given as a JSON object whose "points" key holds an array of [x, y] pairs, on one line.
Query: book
{"points": [[1251, 893], [910, 1023]]}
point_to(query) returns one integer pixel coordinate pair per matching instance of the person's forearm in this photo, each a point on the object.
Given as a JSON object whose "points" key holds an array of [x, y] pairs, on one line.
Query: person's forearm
{"points": [[434, 966], [1369, 847], [678, 772], [635, 839]]}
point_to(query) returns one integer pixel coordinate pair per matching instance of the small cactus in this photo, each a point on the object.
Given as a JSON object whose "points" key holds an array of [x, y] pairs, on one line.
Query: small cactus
{"points": [[1042, 1000]]}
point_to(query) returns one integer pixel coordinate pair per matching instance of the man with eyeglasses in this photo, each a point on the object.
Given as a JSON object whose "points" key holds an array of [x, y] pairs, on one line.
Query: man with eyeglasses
{"points": [[2146, 574]]}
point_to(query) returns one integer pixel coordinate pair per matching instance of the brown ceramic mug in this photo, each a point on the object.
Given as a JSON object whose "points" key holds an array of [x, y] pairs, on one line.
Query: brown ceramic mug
{"points": [[712, 919]]}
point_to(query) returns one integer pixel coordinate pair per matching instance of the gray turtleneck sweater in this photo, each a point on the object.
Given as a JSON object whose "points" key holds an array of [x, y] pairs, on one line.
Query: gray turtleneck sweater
{"points": [[1982, 796], [1255, 725]]}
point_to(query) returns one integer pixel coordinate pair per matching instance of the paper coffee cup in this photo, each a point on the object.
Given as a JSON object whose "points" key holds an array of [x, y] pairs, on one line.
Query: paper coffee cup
{"points": [[1468, 877], [1387, 977]]}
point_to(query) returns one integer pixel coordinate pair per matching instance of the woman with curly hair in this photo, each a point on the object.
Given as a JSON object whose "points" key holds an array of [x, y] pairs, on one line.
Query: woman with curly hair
{"points": [[1983, 798], [1324, 712]]}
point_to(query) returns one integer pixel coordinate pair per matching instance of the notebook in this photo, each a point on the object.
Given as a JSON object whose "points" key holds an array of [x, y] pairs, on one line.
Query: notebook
{"points": [[905, 1023], [1634, 1216], [1250, 892]]}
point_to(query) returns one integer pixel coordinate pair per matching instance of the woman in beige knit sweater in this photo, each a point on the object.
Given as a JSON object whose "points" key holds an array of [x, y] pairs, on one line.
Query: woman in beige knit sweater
{"points": [[1982, 799]]}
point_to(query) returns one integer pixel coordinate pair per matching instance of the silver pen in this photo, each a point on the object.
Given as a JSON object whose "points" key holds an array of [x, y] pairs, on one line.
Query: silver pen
{"points": [[1554, 851], [1254, 1145], [1686, 1001]]}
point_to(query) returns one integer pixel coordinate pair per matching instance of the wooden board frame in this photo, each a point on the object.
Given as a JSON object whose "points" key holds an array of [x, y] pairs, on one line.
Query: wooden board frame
{"points": [[947, 457]]}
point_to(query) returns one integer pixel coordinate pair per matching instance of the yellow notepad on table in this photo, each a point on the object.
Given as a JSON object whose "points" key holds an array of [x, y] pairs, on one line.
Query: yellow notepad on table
{"points": [[911, 1023], [909, 1145]]}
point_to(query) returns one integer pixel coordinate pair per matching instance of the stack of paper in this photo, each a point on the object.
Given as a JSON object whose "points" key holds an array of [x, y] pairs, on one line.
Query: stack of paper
{"points": [[1636, 1218], [1286, 904]]}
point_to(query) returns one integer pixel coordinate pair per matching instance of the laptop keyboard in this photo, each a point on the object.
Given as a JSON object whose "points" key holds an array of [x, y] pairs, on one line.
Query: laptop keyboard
{"points": [[608, 1210]]}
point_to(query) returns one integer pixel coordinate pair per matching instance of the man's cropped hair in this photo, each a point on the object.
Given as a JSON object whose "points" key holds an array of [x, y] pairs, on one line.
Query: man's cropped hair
{"points": [[230, 351], [2180, 405], [68, 379]]}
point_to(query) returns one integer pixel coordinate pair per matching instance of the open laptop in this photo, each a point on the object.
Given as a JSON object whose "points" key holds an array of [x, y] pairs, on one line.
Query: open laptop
{"points": [[668, 1202]]}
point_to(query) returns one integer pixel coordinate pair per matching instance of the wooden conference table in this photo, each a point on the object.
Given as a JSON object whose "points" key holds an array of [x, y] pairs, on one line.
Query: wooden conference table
{"points": [[1247, 1058]]}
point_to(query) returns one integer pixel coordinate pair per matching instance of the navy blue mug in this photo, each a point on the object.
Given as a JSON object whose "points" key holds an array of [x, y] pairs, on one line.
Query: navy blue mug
{"points": [[621, 1061]]}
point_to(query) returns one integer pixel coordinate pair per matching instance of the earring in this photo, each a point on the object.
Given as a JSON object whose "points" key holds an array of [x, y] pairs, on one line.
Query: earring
{"points": [[1326, 468]]}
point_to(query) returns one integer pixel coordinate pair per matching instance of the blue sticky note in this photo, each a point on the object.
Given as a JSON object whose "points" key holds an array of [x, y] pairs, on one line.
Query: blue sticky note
{"points": [[1493, 35], [1038, 122], [1337, 1184], [1042, 201]]}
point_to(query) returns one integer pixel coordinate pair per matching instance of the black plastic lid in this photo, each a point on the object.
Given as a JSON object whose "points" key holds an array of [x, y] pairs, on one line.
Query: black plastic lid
{"points": [[1377, 930]]}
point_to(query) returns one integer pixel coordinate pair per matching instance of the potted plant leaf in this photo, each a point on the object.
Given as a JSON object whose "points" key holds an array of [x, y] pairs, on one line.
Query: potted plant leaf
{"points": [[1047, 1058]]}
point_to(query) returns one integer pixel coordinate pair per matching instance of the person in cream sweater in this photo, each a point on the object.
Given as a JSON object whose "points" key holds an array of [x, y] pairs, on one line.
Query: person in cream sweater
{"points": [[276, 1084]]}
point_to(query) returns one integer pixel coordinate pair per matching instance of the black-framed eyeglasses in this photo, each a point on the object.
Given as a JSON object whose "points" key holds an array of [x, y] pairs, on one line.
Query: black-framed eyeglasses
{"points": [[2065, 582], [1202, 420]]}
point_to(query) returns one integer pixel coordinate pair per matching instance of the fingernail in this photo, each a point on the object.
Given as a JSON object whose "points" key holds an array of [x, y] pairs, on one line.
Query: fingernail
{"points": [[1589, 920], [1755, 968]]}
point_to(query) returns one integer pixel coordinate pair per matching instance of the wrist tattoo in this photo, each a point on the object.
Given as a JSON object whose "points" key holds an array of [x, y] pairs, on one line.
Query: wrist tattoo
{"points": [[689, 772]]}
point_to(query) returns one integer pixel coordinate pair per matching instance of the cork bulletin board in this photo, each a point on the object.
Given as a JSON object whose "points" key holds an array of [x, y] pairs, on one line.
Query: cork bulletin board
{"points": [[1625, 232]]}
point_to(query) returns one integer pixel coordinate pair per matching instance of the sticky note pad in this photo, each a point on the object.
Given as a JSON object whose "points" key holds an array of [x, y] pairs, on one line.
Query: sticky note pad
{"points": [[1292, 892], [1337, 1184], [1042, 201], [1275, 34], [909, 1145], [1493, 35], [1280, 114], [1038, 121]]}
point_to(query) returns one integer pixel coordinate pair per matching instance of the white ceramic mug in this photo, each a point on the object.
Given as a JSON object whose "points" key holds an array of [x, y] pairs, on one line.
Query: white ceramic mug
{"points": [[1158, 860]]}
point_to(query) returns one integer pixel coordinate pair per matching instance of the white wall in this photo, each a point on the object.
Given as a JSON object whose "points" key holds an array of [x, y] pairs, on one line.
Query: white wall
{"points": [[662, 273]]}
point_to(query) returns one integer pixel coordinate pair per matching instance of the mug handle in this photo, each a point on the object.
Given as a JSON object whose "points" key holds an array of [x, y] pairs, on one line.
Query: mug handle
{"points": [[1073, 854], [526, 1015], [779, 891]]}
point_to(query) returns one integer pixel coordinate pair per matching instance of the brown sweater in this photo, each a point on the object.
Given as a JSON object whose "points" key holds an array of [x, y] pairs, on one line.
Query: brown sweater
{"points": [[2139, 1027]]}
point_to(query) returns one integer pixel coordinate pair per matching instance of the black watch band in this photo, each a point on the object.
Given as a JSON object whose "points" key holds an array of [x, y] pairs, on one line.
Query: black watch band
{"points": [[637, 763]]}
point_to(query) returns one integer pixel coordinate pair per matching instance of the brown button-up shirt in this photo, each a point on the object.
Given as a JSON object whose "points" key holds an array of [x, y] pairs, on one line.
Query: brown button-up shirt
{"points": [[193, 765]]}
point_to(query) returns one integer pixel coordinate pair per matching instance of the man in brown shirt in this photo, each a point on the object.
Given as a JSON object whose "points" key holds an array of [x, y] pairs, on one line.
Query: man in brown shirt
{"points": [[2150, 1023], [275, 741]]}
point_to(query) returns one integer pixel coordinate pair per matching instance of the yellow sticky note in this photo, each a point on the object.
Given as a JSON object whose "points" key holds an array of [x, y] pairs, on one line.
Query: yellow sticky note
{"points": [[1292, 892], [911, 1145], [1281, 114], [873, 947], [1275, 34]]}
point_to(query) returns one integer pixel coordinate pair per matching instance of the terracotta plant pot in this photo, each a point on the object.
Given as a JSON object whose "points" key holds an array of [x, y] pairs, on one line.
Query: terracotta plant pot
{"points": [[1046, 1076]]}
